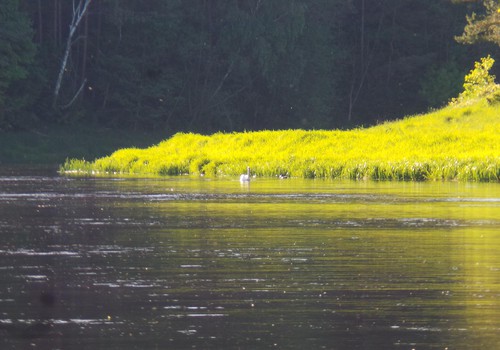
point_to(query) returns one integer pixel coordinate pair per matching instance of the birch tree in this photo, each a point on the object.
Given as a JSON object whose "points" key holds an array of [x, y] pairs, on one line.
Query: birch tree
{"points": [[79, 12]]}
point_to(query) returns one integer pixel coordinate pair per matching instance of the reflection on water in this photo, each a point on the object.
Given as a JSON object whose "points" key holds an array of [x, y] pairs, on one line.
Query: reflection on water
{"points": [[186, 263]]}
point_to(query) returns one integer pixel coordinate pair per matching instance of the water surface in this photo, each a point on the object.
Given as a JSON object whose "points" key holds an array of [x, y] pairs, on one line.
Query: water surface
{"points": [[185, 263]]}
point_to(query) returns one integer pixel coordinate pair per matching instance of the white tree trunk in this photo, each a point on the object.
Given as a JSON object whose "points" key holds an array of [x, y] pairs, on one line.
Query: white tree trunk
{"points": [[78, 13]]}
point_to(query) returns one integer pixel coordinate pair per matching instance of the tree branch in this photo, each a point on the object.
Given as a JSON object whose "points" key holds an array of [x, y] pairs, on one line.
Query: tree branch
{"points": [[75, 97], [78, 14]]}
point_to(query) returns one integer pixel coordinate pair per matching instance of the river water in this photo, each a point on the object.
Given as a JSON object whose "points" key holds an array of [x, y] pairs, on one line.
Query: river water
{"points": [[197, 263]]}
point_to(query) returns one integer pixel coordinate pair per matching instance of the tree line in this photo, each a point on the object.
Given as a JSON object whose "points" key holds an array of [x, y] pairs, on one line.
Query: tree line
{"points": [[232, 65]]}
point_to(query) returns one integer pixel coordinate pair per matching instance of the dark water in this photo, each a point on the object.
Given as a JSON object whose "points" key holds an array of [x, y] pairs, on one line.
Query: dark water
{"points": [[184, 263]]}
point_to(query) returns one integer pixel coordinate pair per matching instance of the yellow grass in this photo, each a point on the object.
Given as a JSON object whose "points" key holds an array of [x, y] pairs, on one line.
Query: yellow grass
{"points": [[459, 142]]}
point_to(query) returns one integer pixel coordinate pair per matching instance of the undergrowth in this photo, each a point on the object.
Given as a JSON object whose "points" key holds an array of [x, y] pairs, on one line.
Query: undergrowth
{"points": [[455, 143], [458, 142]]}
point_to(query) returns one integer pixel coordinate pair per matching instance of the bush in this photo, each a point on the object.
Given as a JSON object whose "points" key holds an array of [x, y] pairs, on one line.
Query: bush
{"points": [[440, 84], [478, 83]]}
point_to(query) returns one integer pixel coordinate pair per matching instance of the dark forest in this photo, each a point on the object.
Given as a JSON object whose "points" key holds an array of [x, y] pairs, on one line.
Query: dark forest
{"points": [[229, 65]]}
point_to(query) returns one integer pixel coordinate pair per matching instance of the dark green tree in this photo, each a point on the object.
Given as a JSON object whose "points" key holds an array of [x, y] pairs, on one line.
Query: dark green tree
{"points": [[17, 52], [441, 83], [482, 27], [215, 65], [134, 78], [393, 44], [206, 65]]}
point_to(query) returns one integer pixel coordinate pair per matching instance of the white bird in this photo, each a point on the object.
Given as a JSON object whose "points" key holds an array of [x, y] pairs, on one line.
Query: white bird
{"points": [[245, 177]]}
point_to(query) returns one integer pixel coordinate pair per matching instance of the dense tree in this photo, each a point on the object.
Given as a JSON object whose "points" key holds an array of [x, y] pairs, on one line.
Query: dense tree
{"points": [[216, 65], [483, 27], [398, 46], [16, 55], [209, 65]]}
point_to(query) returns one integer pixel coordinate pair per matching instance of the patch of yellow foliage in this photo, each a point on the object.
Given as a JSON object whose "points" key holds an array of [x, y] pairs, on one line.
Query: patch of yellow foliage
{"points": [[454, 143]]}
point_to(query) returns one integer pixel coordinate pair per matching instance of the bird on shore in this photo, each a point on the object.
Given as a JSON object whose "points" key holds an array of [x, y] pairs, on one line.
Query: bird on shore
{"points": [[245, 177]]}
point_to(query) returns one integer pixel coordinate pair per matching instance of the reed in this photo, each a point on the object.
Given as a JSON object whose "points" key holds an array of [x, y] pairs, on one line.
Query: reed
{"points": [[458, 142]]}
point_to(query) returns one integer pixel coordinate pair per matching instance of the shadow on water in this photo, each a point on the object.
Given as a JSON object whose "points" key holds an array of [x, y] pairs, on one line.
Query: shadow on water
{"points": [[188, 263]]}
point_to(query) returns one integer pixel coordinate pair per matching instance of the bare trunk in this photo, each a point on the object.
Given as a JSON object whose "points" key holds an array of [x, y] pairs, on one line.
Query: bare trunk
{"points": [[366, 55], [40, 23], [59, 22], [78, 13], [55, 22], [85, 47], [362, 36], [75, 96], [61, 72]]}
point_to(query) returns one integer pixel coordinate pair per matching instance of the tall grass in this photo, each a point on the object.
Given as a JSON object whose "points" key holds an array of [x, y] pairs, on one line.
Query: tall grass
{"points": [[459, 142]]}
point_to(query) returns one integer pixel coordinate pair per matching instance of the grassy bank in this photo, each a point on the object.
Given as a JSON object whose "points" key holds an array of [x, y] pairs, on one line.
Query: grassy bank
{"points": [[454, 143], [53, 145]]}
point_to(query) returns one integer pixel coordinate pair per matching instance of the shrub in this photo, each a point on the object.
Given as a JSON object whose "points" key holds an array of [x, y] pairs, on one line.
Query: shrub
{"points": [[478, 83]]}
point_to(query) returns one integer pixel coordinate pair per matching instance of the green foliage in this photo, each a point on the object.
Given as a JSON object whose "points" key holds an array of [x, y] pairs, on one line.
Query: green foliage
{"points": [[206, 66], [440, 84], [270, 60], [482, 27], [479, 77], [16, 55], [455, 143], [400, 43], [478, 83]]}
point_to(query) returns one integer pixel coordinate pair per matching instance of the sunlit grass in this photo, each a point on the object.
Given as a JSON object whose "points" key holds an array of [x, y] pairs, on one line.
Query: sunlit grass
{"points": [[459, 142]]}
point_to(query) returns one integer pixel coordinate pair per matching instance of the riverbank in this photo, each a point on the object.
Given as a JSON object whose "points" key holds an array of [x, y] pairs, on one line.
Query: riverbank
{"points": [[55, 144], [459, 142]]}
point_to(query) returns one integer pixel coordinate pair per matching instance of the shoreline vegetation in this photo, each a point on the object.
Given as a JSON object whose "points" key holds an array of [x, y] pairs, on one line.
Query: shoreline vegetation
{"points": [[458, 142]]}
